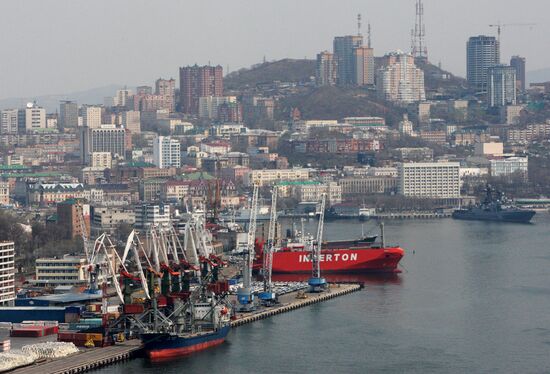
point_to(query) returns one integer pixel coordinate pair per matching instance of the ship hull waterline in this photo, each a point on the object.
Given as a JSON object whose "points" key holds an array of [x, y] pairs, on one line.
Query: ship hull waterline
{"points": [[160, 346]]}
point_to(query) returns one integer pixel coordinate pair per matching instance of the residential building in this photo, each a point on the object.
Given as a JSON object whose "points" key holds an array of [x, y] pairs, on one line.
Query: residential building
{"points": [[147, 215], [518, 63], [9, 121], [406, 126], [506, 167], [31, 119], [343, 47], [74, 216], [511, 114], [208, 105], [167, 88], [166, 152], [7, 273], [501, 87], [529, 133], [106, 138], [268, 177], [121, 97], [103, 160], [363, 71], [326, 69], [483, 52], [199, 81], [434, 180], [91, 116], [131, 120], [4, 193], [68, 114], [230, 112], [312, 191], [399, 80]]}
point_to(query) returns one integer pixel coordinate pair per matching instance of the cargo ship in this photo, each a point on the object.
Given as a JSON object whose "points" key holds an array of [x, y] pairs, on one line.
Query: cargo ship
{"points": [[363, 255], [196, 327], [159, 346], [494, 207]]}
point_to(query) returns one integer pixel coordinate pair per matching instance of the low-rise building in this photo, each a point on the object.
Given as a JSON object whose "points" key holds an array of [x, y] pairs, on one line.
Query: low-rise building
{"points": [[368, 185], [506, 167], [107, 219], [4, 193], [268, 177], [148, 215]]}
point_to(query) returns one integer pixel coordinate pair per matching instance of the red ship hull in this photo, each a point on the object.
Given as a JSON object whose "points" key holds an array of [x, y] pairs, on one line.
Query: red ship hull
{"points": [[371, 260]]}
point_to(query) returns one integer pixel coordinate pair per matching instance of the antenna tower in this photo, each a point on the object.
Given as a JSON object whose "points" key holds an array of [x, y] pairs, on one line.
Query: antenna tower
{"points": [[368, 36], [418, 34], [359, 24]]}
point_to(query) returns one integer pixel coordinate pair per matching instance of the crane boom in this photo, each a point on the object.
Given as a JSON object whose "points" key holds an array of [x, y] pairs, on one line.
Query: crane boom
{"points": [[268, 255], [319, 239]]}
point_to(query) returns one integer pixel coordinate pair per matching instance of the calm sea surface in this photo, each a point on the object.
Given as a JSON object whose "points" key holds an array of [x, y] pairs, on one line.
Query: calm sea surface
{"points": [[473, 297]]}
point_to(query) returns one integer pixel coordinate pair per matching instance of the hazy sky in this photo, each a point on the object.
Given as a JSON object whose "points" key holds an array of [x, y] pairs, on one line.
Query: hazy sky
{"points": [[60, 46]]}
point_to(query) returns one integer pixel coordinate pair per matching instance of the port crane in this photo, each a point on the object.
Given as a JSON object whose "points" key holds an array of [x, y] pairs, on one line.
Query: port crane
{"points": [[316, 282], [268, 296], [245, 296]]}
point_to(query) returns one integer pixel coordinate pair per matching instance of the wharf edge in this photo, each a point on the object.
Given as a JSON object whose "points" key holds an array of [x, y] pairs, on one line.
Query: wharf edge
{"points": [[100, 357]]}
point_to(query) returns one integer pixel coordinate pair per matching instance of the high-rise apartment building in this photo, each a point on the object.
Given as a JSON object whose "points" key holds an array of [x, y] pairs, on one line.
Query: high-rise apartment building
{"points": [[7, 273], [434, 180], [166, 152], [199, 81], [68, 114], [518, 63], [501, 87], [208, 106], [131, 120], [400, 80], [121, 97], [482, 52], [9, 121], [91, 116], [106, 138], [343, 53], [326, 69], [32, 118], [363, 67], [167, 88]]}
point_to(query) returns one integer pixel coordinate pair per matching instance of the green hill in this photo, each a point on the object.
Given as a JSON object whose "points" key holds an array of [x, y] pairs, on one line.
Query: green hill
{"points": [[287, 70]]}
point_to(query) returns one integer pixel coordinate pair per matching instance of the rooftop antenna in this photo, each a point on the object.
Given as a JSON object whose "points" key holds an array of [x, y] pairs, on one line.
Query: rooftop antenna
{"points": [[359, 24], [368, 36]]}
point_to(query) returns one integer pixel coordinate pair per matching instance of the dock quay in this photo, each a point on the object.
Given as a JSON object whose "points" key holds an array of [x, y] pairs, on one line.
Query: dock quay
{"points": [[289, 302], [94, 358]]}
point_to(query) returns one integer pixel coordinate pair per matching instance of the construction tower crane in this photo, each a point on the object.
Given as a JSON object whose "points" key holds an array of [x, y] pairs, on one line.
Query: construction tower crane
{"points": [[268, 295], [499, 27], [245, 295], [316, 282]]}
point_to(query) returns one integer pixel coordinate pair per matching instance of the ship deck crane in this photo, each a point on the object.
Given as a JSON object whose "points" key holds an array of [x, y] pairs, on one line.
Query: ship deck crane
{"points": [[245, 296], [316, 282], [268, 296]]}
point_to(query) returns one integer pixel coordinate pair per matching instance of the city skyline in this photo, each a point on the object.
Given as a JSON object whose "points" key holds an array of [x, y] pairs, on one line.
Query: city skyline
{"points": [[55, 60]]}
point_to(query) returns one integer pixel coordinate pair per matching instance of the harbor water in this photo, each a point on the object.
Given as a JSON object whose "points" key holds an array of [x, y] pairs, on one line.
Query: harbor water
{"points": [[472, 297]]}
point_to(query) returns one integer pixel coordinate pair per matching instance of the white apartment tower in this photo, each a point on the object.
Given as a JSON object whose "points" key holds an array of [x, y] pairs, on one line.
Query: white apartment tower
{"points": [[400, 80], [166, 152], [7, 273], [91, 116]]}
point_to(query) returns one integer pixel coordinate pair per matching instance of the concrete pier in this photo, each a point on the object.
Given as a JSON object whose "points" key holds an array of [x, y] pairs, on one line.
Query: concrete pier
{"points": [[290, 302]]}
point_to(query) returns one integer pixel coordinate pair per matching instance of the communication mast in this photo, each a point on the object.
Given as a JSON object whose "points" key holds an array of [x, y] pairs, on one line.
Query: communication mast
{"points": [[418, 42], [359, 24]]}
